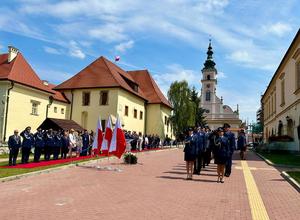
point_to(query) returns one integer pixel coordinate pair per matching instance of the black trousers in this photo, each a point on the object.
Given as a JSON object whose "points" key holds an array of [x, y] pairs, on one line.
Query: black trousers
{"points": [[37, 153], [64, 152], [228, 166], [56, 152], [198, 163], [47, 152], [25, 154], [207, 156], [13, 155]]}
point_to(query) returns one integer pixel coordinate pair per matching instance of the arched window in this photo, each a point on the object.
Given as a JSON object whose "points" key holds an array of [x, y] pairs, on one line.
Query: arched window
{"points": [[208, 77], [207, 96]]}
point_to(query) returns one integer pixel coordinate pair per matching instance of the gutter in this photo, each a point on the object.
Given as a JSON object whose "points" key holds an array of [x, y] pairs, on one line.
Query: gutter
{"points": [[71, 111], [6, 110], [48, 105]]}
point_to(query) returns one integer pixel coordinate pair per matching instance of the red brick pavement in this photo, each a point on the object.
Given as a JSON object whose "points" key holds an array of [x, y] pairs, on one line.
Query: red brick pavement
{"points": [[154, 189]]}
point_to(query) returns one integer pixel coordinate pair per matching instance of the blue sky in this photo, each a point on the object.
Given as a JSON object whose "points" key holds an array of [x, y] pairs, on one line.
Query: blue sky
{"points": [[169, 38]]}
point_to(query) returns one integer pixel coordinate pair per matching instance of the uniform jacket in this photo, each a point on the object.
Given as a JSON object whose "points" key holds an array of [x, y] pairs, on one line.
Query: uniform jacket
{"points": [[85, 140], [231, 139], [49, 140], [39, 140], [28, 139]]}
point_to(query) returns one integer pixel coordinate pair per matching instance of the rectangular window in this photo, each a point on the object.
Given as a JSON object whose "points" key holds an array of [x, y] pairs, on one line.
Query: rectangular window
{"points": [[126, 110], [34, 107], [282, 92], [141, 115], [55, 109], [62, 111], [103, 124], [135, 113], [166, 120], [86, 98], [104, 98]]}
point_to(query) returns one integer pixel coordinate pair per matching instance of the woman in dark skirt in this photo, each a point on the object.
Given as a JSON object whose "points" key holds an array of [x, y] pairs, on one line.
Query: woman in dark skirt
{"points": [[221, 153], [190, 154], [241, 144]]}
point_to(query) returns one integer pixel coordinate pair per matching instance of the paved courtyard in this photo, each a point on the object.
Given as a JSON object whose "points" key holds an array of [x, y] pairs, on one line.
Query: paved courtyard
{"points": [[154, 189]]}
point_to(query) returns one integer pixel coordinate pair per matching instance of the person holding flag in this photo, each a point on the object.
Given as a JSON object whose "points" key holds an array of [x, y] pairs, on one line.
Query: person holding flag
{"points": [[118, 142], [107, 137], [98, 138]]}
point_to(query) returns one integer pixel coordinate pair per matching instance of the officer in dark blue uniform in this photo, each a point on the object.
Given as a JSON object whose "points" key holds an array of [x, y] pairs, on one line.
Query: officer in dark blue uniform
{"points": [[208, 149], [231, 138], [49, 143], [39, 144], [65, 145], [27, 144], [57, 144], [85, 143], [199, 139], [14, 144]]}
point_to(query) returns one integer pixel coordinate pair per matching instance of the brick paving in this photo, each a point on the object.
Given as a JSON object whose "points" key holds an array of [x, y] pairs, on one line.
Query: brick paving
{"points": [[153, 189]]}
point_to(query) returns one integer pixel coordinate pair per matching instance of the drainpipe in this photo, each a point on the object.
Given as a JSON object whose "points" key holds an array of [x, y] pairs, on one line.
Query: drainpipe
{"points": [[145, 118], [71, 111], [48, 105], [6, 110]]}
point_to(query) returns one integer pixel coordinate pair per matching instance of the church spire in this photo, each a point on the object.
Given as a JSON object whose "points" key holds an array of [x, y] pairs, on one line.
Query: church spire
{"points": [[209, 63]]}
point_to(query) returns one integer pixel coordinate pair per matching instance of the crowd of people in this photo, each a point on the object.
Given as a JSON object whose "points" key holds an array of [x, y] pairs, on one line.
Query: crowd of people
{"points": [[50, 143], [202, 144]]}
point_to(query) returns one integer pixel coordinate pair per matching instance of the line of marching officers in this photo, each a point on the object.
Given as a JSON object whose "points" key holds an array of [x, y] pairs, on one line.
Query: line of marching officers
{"points": [[202, 143], [50, 142]]}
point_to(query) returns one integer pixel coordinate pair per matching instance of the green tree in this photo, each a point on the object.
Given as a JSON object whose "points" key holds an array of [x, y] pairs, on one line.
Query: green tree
{"points": [[184, 112], [199, 117]]}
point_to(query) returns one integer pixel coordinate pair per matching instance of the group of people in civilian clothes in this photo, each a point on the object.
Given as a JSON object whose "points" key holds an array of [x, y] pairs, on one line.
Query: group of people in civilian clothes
{"points": [[201, 144], [50, 142]]}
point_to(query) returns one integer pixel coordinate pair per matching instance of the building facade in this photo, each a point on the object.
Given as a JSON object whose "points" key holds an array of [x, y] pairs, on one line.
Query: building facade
{"points": [[101, 89], [216, 113], [281, 100]]}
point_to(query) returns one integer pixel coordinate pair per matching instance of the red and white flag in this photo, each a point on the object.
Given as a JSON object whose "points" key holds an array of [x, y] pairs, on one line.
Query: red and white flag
{"points": [[117, 58], [118, 142], [98, 138], [107, 137]]}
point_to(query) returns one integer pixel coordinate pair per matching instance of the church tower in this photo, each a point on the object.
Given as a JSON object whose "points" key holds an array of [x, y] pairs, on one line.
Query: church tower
{"points": [[216, 114], [209, 83]]}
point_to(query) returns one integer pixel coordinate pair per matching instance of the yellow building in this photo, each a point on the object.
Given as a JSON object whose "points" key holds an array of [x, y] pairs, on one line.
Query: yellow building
{"points": [[103, 89], [281, 100], [25, 99]]}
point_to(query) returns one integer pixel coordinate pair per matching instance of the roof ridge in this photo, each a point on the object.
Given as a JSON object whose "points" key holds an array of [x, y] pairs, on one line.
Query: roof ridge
{"points": [[105, 62]]}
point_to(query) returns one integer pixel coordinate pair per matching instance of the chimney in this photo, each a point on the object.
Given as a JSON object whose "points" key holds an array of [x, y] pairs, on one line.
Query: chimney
{"points": [[45, 82], [12, 53]]}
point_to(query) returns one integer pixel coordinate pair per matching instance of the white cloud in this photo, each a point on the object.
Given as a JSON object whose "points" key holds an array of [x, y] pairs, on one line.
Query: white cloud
{"points": [[75, 51], [241, 56], [1, 47], [108, 33], [176, 72], [52, 50], [122, 47], [221, 75], [279, 28]]}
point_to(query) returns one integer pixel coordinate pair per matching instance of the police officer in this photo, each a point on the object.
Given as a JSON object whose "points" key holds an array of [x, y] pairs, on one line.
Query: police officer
{"points": [[199, 145], [39, 144], [14, 144], [85, 143], [208, 149], [49, 142], [57, 144], [65, 145], [231, 138], [28, 142]]}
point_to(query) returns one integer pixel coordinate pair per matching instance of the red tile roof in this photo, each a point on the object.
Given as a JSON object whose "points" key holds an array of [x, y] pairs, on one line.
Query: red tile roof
{"points": [[101, 73], [58, 96], [18, 70], [149, 87]]}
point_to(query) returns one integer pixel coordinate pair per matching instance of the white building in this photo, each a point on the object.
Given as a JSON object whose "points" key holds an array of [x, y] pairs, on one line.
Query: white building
{"points": [[216, 112]]}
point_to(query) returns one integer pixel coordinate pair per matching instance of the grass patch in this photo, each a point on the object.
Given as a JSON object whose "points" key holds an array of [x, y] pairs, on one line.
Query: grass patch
{"points": [[5, 172], [295, 175], [4, 156], [283, 158]]}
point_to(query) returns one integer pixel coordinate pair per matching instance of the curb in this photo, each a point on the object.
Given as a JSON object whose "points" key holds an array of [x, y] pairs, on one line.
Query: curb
{"points": [[291, 180], [49, 170]]}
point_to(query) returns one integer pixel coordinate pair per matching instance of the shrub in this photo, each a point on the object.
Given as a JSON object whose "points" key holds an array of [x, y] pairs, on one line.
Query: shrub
{"points": [[130, 158]]}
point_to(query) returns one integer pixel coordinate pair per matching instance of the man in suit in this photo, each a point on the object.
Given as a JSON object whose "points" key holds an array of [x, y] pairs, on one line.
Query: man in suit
{"points": [[49, 143], [231, 138], [28, 141], [39, 144], [14, 144]]}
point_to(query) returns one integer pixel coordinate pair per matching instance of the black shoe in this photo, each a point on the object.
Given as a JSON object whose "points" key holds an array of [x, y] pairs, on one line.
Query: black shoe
{"points": [[227, 175]]}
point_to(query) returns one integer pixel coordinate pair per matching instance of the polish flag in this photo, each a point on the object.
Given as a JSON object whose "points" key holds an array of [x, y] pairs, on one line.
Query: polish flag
{"points": [[117, 58], [98, 138], [107, 137], [118, 142]]}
